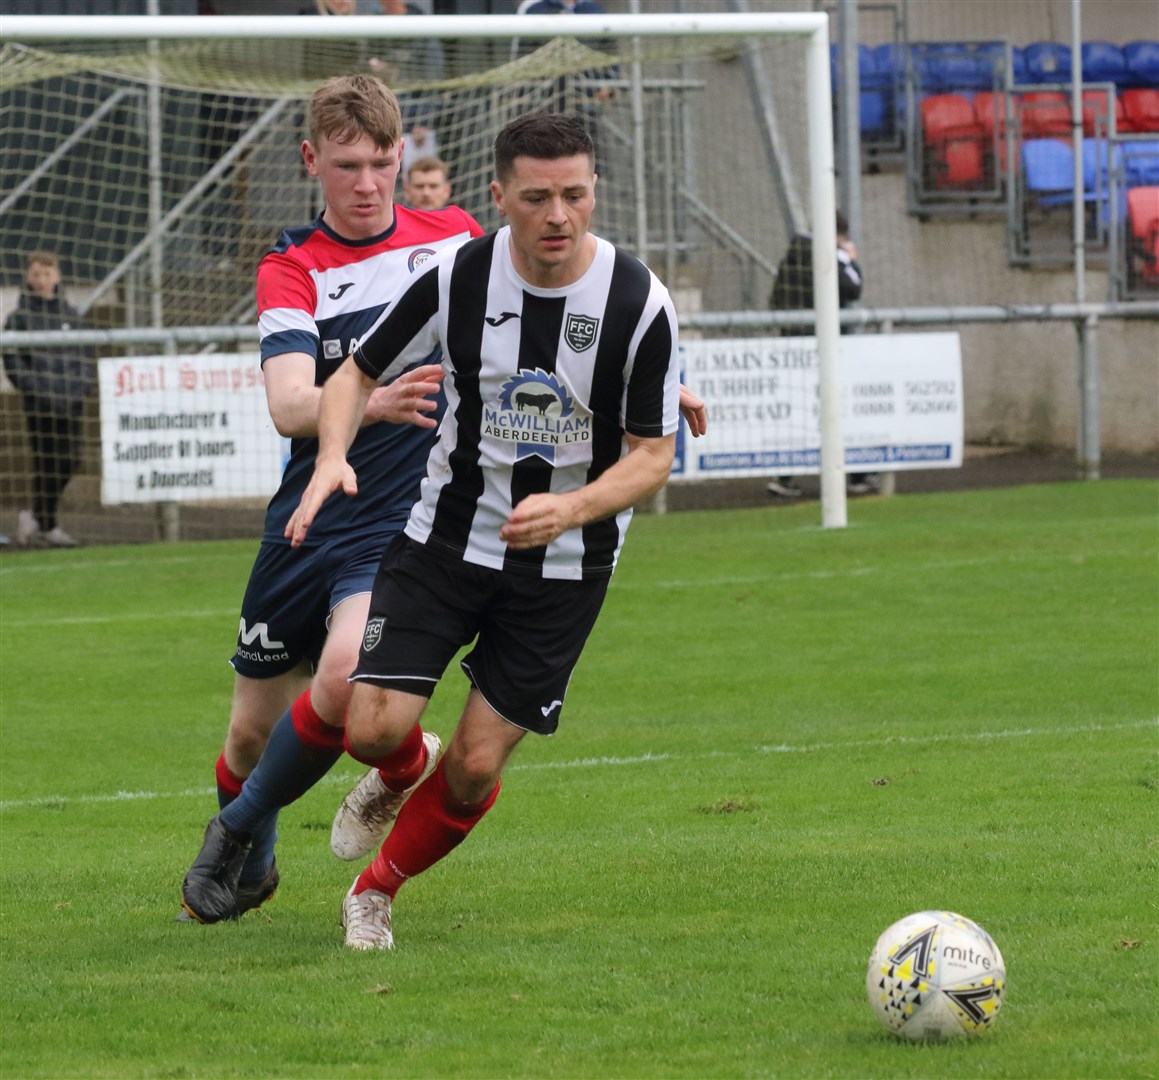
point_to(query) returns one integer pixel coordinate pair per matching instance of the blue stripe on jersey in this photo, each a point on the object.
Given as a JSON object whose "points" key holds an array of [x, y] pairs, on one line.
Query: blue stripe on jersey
{"points": [[286, 341]]}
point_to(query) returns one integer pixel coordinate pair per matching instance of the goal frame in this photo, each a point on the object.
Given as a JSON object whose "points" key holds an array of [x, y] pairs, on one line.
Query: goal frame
{"points": [[811, 26]]}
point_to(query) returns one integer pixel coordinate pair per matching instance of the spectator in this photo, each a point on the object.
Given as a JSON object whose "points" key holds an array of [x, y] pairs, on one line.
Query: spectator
{"points": [[53, 383], [427, 185], [793, 291]]}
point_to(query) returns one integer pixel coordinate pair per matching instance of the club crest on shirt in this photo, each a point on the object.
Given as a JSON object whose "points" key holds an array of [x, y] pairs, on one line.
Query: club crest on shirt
{"points": [[580, 331], [536, 413], [373, 633]]}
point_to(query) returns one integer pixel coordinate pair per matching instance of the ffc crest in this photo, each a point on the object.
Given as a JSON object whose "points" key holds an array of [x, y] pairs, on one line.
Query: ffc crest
{"points": [[373, 633], [580, 332]]}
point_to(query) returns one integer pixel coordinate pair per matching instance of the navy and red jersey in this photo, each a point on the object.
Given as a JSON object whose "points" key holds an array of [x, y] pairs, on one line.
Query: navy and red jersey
{"points": [[319, 293]]}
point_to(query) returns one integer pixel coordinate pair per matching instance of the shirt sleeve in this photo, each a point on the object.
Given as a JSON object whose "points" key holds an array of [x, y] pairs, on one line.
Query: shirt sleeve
{"points": [[406, 332], [287, 299], [652, 395]]}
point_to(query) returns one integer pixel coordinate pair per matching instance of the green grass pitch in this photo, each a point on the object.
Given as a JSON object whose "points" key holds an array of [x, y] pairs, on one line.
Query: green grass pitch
{"points": [[780, 740]]}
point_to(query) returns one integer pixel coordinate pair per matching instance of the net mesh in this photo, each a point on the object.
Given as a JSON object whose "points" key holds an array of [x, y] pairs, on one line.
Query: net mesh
{"points": [[160, 174]]}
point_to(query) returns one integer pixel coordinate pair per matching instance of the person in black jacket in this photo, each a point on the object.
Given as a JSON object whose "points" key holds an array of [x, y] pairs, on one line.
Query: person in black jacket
{"points": [[53, 384], [793, 291]]}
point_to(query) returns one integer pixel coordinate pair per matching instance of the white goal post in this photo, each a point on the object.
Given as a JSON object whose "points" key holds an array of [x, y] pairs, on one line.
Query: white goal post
{"points": [[736, 33]]}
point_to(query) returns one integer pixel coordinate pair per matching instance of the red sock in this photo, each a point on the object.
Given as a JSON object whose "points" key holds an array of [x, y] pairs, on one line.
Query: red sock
{"points": [[430, 825], [403, 765], [314, 733], [228, 782]]}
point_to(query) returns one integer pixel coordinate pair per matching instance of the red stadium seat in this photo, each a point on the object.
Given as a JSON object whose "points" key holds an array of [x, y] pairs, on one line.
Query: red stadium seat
{"points": [[1143, 223], [1094, 114], [990, 113], [1045, 114], [953, 142], [1142, 109]]}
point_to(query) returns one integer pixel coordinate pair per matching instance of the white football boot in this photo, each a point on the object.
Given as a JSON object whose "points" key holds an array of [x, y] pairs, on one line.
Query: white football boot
{"points": [[369, 810]]}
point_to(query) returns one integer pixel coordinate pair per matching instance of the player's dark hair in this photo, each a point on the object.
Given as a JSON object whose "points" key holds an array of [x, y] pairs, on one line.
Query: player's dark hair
{"points": [[542, 135]]}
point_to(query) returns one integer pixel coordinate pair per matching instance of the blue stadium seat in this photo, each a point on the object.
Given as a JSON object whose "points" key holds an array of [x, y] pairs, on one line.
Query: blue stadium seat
{"points": [[876, 91], [1103, 61], [1047, 62], [944, 68], [1048, 166], [1095, 165], [1142, 62], [1140, 160]]}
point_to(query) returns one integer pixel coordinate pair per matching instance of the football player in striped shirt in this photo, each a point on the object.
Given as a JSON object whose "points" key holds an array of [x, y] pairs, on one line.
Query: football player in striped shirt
{"points": [[561, 357], [319, 290]]}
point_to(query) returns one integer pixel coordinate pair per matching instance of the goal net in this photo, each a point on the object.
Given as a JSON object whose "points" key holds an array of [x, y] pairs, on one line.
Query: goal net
{"points": [[160, 171]]}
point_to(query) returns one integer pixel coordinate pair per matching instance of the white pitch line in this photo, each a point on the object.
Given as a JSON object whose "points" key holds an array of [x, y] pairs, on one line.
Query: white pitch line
{"points": [[60, 801], [132, 617], [962, 736]]}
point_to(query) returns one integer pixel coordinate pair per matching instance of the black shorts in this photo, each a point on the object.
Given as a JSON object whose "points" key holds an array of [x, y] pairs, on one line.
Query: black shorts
{"points": [[528, 631], [286, 611]]}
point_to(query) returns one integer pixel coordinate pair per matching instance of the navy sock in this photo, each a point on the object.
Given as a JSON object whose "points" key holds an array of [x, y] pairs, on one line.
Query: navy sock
{"points": [[288, 768], [261, 856]]}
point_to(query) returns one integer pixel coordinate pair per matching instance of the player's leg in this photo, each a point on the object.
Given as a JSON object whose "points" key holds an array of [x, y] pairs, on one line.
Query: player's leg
{"points": [[520, 668], [302, 747], [282, 627], [437, 816], [399, 760], [256, 705]]}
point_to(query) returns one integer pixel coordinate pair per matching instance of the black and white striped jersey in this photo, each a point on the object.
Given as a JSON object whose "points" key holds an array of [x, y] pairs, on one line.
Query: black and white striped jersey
{"points": [[542, 385]]}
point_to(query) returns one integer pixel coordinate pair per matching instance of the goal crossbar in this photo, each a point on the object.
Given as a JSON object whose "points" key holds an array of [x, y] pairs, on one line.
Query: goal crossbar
{"points": [[318, 27]]}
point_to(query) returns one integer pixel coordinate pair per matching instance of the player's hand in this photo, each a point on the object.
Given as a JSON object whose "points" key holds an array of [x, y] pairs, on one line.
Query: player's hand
{"points": [[693, 411], [328, 477], [407, 399], [536, 521]]}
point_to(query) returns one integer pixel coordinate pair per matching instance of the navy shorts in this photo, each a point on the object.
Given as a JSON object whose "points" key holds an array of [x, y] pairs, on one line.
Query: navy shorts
{"points": [[528, 631], [286, 611]]}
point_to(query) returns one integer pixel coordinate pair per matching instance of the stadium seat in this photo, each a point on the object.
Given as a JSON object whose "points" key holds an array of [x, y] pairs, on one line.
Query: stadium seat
{"points": [[1143, 233], [953, 142], [1141, 107], [876, 92], [1095, 165], [1142, 62], [1049, 171], [1045, 114], [1047, 62], [990, 113], [1095, 114], [1140, 162], [1103, 61], [943, 68]]}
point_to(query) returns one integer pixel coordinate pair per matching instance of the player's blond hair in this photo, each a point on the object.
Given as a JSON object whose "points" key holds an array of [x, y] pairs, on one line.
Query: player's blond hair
{"points": [[349, 106], [42, 258]]}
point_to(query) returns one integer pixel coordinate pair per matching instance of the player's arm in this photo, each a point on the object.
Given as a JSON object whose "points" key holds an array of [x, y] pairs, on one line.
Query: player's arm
{"points": [[294, 399], [639, 474], [343, 404]]}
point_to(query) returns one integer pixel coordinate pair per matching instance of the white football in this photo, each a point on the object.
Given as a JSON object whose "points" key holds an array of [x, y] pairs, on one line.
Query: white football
{"points": [[936, 975]]}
